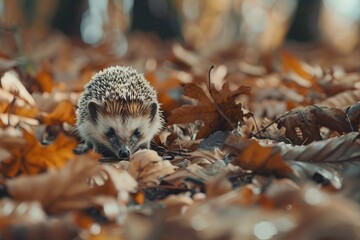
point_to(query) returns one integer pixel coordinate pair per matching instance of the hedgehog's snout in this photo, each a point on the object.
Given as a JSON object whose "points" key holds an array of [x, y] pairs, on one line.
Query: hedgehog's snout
{"points": [[124, 152]]}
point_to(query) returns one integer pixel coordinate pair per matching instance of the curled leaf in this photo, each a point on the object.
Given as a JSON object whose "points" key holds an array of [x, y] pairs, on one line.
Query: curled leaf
{"points": [[302, 125], [147, 167]]}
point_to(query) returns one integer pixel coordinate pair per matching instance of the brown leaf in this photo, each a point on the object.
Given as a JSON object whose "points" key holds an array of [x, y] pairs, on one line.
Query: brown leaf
{"points": [[183, 132], [206, 109], [218, 186], [69, 188], [334, 85], [35, 158], [343, 149], [259, 159], [308, 120], [147, 167]]}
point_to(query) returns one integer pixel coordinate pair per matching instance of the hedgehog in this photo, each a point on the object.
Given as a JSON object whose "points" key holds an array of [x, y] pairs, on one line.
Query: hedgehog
{"points": [[118, 113]]}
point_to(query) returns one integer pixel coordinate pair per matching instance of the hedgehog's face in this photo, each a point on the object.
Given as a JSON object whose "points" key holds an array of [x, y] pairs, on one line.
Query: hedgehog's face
{"points": [[130, 128]]}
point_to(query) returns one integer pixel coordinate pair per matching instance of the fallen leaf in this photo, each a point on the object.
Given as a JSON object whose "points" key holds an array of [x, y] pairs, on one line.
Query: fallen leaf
{"points": [[342, 99], [10, 82], [218, 186], [343, 149], [250, 155], [44, 79], [35, 158], [309, 120], [71, 187], [208, 111], [147, 167], [183, 132], [63, 113], [333, 84]]}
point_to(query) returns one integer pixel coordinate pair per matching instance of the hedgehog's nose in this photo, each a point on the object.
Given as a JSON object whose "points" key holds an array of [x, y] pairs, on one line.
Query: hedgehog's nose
{"points": [[124, 152]]}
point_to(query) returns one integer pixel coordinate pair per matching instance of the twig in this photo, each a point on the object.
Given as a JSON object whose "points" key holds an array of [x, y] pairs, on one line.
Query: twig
{"points": [[180, 149], [348, 119], [267, 126], [10, 109], [216, 106], [256, 125]]}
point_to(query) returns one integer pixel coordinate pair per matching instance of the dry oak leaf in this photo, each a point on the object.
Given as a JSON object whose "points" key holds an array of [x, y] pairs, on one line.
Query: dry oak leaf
{"points": [[206, 110], [309, 120], [181, 132], [148, 168], [63, 113], [250, 155], [35, 158], [72, 187]]}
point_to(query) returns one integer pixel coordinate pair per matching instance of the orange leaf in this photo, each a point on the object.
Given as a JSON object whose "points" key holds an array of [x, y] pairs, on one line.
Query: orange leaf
{"points": [[252, 156], [45, 80], [290, 63], [64, 112], [35, 158]]}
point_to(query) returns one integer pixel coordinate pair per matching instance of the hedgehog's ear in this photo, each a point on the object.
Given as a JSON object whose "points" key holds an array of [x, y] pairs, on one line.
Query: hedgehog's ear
{"points": [[94, 109], [153, 111]]}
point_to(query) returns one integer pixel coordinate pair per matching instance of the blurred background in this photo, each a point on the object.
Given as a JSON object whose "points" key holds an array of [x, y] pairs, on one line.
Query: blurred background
{"points": [[262, 25]]}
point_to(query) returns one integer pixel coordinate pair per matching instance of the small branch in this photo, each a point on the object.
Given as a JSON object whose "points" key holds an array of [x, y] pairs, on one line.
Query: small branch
{"points": [[256, 125], [216, 106], [348, 119], [267, 126], [10, 109]]}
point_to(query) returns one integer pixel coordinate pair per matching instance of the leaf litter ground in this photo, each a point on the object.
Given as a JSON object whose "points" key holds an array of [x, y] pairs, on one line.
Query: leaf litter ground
{"points": [[249, 151]]}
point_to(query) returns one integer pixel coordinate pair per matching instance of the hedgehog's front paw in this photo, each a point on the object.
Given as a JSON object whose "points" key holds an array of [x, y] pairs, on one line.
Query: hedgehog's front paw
{"points": [[82, 148]]}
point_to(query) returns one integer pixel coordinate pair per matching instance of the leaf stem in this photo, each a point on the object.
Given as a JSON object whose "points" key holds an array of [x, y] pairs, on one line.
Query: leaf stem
{"points": [[267, 126], [215, 104]]}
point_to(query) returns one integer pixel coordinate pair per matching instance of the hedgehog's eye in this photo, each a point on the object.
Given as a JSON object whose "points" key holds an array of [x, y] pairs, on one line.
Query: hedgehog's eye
{"points": [[137, 133], [110, 132]]}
